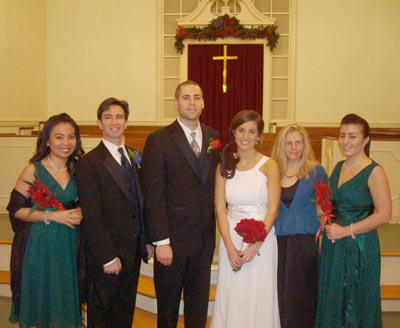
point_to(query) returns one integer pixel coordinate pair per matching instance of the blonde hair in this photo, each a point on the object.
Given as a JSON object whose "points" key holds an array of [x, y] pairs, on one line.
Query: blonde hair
{"points": [[307, 161]]}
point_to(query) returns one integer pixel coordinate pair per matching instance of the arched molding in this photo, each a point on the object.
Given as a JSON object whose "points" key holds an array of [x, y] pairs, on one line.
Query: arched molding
{"points": [[248, 14]]}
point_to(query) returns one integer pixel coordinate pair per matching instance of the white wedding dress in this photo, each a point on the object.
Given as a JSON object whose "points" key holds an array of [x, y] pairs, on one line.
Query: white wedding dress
{"points": [[249, 297]]}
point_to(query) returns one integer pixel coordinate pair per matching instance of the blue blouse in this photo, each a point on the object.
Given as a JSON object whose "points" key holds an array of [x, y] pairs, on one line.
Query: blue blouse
{"points": [[301, 217]]}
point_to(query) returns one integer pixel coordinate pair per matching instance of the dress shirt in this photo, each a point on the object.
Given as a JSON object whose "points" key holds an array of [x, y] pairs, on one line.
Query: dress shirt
{"points": [[113, 149], [187, 131]]}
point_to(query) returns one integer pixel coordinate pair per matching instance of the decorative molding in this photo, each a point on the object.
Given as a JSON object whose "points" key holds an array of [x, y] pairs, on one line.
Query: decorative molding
{"points": [[249, 15]]}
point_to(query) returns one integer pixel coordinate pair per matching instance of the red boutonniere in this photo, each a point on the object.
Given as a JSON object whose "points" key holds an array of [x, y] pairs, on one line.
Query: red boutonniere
{"points": [[324, 199], [252, 231], [213, 144], [42, 197]]}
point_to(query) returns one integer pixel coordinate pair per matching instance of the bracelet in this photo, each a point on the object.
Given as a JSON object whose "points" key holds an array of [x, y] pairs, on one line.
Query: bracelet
{"points": [[46, 218], [351, 231]]}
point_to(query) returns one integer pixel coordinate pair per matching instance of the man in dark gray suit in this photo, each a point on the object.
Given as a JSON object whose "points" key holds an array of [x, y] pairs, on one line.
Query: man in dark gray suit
{"points": [[111, 198], [178, 179]]}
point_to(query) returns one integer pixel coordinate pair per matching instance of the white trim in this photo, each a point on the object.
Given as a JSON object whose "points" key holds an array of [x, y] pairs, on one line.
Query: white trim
{"points": [[249, 15]]}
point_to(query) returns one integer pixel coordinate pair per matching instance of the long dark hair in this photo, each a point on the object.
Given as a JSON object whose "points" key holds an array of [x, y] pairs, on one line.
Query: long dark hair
{"points": [[42, 149], [358, 120], [228, 157]]}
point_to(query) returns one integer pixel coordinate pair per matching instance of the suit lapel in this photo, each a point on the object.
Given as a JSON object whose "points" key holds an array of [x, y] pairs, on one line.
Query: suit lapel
{"points": [[180, 139], [115, 171], [208, 155]]}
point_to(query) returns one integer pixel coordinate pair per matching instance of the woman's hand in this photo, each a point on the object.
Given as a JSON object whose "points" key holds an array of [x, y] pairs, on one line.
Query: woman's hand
{"points": [[234, 257], [68, 217], [250, 252], [335, 231]]}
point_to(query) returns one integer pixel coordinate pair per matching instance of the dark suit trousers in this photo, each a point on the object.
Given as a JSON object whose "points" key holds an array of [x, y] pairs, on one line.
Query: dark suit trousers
{"points": [[111, 302], [192, 274]]}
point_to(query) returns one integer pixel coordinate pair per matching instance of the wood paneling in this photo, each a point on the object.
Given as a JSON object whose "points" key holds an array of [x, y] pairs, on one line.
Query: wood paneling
{"points": [[135, 136]]}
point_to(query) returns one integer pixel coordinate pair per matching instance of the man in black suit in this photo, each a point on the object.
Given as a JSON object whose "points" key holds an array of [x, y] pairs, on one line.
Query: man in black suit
{"points": [[178, 178], [113, 231]]}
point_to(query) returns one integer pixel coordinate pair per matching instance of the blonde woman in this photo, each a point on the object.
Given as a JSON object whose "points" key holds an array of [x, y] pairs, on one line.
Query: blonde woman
{"points": [[296, 226]]}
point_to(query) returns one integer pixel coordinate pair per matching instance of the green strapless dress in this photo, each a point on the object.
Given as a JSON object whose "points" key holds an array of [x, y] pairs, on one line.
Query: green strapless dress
{"points": [[49, 291], [349, 281]]}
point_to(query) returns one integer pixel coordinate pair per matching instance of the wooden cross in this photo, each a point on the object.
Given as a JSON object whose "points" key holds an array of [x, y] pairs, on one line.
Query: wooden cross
{"points": [[225, 58]]}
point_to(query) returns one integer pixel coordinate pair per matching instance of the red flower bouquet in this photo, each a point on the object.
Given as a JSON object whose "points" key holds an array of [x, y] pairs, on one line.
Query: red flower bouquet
{"points": [[42, 197], [214, 145], [324, 200], [252, 231]]}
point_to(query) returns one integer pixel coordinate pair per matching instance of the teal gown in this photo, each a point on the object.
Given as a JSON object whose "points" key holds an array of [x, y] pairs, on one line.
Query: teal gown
{"points": [[49, 291], [349, 281]]}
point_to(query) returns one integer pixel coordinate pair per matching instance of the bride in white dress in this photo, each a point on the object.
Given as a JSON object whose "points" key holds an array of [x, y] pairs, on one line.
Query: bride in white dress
{"points": [[249, 183]]}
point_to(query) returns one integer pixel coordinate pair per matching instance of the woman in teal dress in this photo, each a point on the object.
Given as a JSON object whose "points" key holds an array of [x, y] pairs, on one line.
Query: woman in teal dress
{"points": [[44, 279], [349, 281]]}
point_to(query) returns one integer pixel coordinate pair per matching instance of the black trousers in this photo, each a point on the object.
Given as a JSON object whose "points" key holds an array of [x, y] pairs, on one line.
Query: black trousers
{"points": [[190, 274], [112, 298]]}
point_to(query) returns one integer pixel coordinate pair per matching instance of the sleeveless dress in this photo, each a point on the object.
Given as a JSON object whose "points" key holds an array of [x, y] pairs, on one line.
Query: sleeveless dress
{"points": [[49, 291], [247, 298], [349, 282]]}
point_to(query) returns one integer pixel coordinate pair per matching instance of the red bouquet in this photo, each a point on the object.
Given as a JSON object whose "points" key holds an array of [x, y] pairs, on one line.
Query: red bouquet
{"points": [[42, 197], [251, 230], [324, 200]]}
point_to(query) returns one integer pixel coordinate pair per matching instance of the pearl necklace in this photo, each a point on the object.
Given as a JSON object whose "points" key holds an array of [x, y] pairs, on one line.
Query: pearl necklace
{"points": [[55, 167]]}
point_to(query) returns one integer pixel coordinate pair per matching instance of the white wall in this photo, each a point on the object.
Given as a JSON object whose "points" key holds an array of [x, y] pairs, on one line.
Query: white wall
{"points": [[347, 60], [23, 60], [68, 55], [100, 48]]}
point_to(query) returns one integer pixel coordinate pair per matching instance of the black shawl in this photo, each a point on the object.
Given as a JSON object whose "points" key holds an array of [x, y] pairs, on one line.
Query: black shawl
{"points": [[21, 230]]}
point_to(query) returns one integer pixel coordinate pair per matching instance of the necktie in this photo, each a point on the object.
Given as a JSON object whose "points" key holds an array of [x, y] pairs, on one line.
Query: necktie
{"points": [[124, 160], [195, 146]]}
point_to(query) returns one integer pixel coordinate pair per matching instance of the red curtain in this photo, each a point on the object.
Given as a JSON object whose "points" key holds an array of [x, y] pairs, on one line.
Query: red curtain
{"points": [[244, 82]]}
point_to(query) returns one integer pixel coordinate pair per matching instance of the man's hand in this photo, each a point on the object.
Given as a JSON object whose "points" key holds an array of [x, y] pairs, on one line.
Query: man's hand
{"points": [[113, 268], [164, 254]]}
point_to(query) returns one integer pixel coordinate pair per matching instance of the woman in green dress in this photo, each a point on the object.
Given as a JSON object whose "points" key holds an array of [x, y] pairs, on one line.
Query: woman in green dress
{"points": [[43, 261], [349, 281]]}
